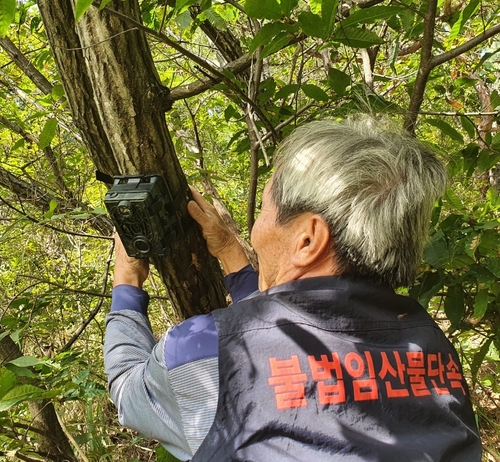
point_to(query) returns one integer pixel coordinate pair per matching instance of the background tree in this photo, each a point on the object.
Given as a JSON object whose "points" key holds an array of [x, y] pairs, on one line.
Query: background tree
{"points": [[202, 91]]}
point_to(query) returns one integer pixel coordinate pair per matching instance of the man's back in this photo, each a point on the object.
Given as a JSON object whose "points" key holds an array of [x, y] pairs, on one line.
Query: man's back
{"points": [[337, 369]]}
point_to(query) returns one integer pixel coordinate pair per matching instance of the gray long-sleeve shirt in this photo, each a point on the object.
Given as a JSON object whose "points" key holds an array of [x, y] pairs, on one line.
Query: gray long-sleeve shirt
{"points": [[166, 390]]}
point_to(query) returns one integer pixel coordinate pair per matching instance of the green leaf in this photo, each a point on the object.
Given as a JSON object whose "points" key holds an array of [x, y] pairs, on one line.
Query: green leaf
{"points": [[493, 264], [287, 6], [265, 35], [311, 24], [18, 144], [481, 303], [181, 4], [371, 15], [465, 14], [99, 211], [338, 81], [184, 19], [20, 371], [314, 92], [485, 276], [104, 3], [447, 129], [25, 361], [489, 242], [430, 285], [7, 381], [470, 154], [487, 160], [18, 394], [267, 89], [315, 6], [231, 112], [493, 196], [162, 455], [495, 100], [465, 82], [276, 44], [468, 126], [57, 92], [436, 252], [263, 9], [329, 10], [479, 358], [471, 244], [454, 306], [286, 91], [407, 17], [356, 37], [451, 197], [215, 19], [52, 207], [48, 133], [7, 15], [81, 7]]}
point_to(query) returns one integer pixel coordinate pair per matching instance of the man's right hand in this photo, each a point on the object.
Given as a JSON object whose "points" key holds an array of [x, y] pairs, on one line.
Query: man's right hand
{"points": [[221, 242]]}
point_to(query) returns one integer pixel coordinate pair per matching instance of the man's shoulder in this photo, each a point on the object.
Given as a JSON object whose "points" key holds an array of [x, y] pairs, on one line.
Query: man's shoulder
{"points": [[192, 340]]}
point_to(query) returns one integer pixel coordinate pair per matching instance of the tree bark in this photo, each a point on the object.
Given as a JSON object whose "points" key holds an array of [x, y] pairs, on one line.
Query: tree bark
{"points": [[31, 71], [50, 436], [119, 105]]}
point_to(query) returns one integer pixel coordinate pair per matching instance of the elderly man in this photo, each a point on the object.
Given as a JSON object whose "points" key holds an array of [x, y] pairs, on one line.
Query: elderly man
{"points": [[325, 361]]}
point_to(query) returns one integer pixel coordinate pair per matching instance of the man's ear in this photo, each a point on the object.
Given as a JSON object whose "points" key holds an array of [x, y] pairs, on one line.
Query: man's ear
{"points": [[312, 241]]}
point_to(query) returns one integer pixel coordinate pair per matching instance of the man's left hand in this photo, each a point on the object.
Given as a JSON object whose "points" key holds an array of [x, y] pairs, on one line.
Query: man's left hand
{"points": [[129, 270]]}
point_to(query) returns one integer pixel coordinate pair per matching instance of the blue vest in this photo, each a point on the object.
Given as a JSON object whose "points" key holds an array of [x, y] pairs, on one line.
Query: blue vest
{"points": [[337, 369]]}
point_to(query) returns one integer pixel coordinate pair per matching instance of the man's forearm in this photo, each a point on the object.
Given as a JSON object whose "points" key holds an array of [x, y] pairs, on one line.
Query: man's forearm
{"points": [[233, 258]]}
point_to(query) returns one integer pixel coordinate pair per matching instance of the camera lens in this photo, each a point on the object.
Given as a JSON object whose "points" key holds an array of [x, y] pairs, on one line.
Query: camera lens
{"points": [[142, 245], [124, 208]]}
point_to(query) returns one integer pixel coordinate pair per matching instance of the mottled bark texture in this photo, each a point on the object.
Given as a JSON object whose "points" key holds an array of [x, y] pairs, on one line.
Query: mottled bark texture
{"points": [[119, 105]]}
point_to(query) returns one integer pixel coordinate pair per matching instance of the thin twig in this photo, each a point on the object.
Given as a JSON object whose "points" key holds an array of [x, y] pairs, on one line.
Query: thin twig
{"points": [[464, 114], [96, 310], [53, 228], [71, 439], [60, 286], [70, 290], [102, 41], [291, 119]]}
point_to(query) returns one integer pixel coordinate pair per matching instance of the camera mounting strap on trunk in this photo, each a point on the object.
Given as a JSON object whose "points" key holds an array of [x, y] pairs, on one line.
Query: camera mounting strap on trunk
{"points": [[103, 177]]}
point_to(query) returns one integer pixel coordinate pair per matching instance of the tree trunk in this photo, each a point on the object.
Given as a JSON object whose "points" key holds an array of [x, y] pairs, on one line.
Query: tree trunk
{"points": [[50, 436], [119, 105]]}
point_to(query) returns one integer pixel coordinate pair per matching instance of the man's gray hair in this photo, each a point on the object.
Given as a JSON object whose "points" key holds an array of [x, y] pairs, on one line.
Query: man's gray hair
{"points": [[373, 184]]}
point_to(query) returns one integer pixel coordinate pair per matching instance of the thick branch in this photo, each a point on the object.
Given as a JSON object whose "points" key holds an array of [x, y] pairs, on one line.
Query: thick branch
{"points": [[424, 70], [253, 136], [467, 46], [25, 65], [39, 198], [428, 62], [13, 127], [26, 192], [224, 40], [193, 89], [49, 155]]}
